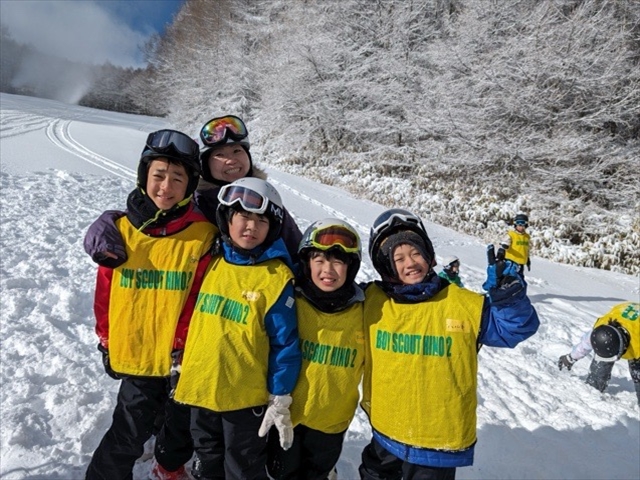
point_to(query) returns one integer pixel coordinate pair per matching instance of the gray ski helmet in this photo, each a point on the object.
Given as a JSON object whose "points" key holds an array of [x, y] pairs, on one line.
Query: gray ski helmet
{"points": [[331, 235], [252, 195], [609, 342], [521, 219], [450, 262], [388, 223], [176, 147]]}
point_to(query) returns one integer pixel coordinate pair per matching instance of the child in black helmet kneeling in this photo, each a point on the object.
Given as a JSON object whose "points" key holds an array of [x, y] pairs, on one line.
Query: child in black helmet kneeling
{"points": [[615, 336]]}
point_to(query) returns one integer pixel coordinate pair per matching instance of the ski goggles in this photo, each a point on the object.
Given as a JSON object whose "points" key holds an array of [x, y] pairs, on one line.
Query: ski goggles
{"points": [[249, 200], [396, 218], [218, 130], [331, 236], [172, 141], [521, 223]]}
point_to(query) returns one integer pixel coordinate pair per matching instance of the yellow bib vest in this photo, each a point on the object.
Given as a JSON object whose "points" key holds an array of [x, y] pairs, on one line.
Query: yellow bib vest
{"points": [[628, 315], [421, 368], [518, 252], [326, 395], [148, 293], [227, 352]]}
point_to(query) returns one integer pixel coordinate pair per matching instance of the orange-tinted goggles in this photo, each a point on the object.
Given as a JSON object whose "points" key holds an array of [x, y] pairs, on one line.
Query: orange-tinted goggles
{"points": [[335, 236]]}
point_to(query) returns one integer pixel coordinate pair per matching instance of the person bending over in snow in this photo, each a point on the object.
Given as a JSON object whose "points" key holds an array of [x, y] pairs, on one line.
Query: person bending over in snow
{"points": [[142, 309], [615, 335], [422, 336], [329, 309]]}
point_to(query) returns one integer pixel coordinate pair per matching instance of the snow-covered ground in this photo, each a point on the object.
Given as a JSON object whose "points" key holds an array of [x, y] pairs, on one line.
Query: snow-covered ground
{"points": [[62, 165]]}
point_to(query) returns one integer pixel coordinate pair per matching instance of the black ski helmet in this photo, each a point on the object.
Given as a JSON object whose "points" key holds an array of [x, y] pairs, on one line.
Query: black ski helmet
{"points": [[388, 223], [234, 197], [339, 237], [176, 147], [521, 218], [609, 342]]}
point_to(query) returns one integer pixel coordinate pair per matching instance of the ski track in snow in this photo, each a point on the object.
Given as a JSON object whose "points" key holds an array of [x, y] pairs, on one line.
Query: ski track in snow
{"points": [[58, 133], [14, 123]]}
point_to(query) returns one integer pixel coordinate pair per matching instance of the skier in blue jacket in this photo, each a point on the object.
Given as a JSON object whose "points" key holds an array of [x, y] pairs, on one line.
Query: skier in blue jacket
{"points": [[242, 356], [422, 337]]}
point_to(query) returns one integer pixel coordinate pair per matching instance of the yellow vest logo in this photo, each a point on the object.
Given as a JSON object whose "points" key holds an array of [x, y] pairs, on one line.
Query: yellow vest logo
{"points": [[458, 326], [251, 296]]}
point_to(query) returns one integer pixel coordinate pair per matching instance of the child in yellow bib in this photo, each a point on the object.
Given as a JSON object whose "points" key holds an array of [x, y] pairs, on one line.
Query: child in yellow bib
{"points": [[517, 243], [142, 307], [329, 306], [242, 357], [615, 336], [422, 335]]}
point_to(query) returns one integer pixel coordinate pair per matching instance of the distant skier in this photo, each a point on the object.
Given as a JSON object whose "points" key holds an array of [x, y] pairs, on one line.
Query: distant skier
{"points": [[451, 270], [615, 335], [517, 244]]}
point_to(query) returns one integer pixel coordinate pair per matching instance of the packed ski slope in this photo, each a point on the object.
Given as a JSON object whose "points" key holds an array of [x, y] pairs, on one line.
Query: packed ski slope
{"points": [[62, 165]]}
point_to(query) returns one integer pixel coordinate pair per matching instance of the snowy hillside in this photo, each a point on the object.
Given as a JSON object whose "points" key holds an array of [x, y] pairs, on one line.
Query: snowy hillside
{"points": [[62, 165]]}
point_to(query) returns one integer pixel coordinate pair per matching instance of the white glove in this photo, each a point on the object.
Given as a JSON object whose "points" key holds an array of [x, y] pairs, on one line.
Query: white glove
{"points": [[278, 414]]}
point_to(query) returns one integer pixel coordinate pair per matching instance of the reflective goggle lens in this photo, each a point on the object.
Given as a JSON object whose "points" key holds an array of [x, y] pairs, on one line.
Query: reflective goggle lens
{"points": [[521, 223], [333, 236], [163, 141], [249, 200], [394, 218], [217, 131]]}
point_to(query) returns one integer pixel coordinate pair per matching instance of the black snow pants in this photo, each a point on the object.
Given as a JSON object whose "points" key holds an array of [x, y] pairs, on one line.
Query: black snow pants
{"points": [[600, 374], [311, 457], [227, 444], [379, 464], [139, 402]]}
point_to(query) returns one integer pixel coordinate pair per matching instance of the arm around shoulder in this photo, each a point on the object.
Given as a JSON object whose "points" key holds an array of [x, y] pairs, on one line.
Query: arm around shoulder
{"points": [[103, 241]]}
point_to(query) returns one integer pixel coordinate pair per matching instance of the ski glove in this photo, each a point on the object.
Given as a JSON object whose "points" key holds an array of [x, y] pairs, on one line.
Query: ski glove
{"points": [[566, 361], [503, 280], [278, 414], [107, 363], [176, 368]]}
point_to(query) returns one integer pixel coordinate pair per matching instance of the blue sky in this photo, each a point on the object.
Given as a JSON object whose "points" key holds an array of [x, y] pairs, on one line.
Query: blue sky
{"points": [[93, 31], [143, 15]]}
